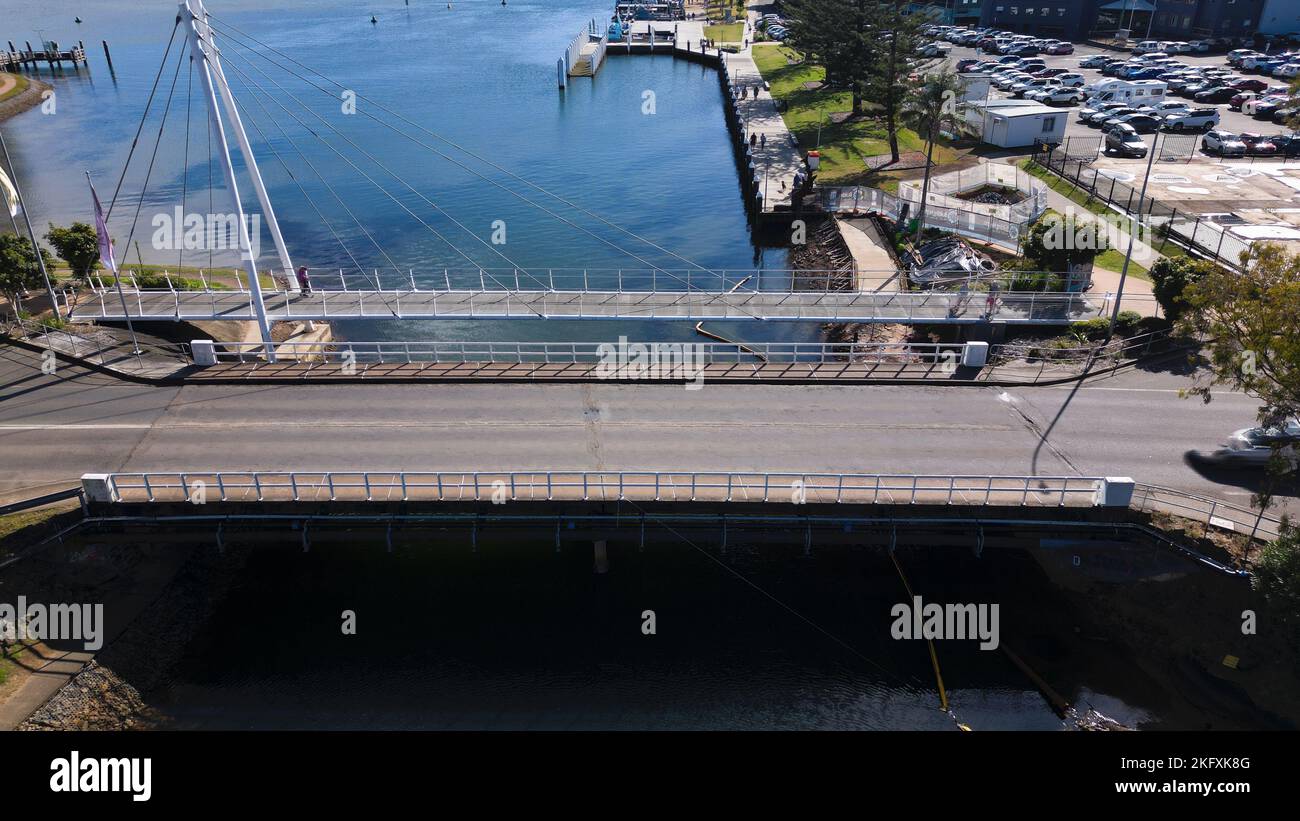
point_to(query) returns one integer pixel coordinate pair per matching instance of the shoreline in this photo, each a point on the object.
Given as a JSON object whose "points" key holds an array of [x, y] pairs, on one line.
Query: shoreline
{"points": [[24, 100]]}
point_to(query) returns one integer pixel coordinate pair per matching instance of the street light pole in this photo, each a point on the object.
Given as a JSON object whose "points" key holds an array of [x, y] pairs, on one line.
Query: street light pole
{"points": [[1132, 239], [1155, 4]]}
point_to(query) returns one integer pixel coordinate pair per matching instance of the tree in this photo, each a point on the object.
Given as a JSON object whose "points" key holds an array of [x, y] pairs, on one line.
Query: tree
{"points": [[1056, 243], [840, 36], [930, 105], [1252, 321], [78, 245], [19, 271], [1170, 278], [1276, 572], [887, 81]]}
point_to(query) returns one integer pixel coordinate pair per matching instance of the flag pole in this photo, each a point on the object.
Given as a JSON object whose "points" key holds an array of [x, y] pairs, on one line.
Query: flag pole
{"points": [[107, 257], [36, 248]]}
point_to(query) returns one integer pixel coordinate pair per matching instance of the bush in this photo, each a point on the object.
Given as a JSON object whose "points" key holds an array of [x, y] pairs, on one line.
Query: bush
{"points": [[1035, 281], [1090, 330], [1170, 277], [1127, 323], [1277, 573]]}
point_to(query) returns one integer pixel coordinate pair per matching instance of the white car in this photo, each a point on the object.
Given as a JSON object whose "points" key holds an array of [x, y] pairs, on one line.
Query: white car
{"points": [[1223, 144], [1250, 107], [1058, 95], [1196, 119], [1169, 107], [1288, 70], [1255, 447], [1071, 80], [1200, 46], [1147, 47]]}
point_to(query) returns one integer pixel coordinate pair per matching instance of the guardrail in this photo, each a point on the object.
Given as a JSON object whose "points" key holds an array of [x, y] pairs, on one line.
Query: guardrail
{"points": [[621, 355], [635, 485], [102, 347], [1207, 511]]}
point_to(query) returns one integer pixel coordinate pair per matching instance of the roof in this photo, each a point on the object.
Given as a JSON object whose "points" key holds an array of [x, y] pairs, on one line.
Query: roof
{"points": [[1128, 5]]}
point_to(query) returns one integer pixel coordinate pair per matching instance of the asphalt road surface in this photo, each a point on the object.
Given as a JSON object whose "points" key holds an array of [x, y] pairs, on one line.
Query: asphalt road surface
{"points": [[53, 428]]}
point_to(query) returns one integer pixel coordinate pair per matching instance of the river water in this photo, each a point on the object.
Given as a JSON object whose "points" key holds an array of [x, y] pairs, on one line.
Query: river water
{"points": [[527, 637], [479, 74]]}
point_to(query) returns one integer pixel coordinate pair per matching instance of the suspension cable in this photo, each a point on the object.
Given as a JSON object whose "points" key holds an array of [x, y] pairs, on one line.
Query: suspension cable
{"points": [[144, 116]]}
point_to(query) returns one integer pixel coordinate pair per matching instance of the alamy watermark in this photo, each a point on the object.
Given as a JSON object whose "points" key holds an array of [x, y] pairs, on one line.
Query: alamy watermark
{"points": [[191, 231], [53, 622], [918, 620], [654, 360]]}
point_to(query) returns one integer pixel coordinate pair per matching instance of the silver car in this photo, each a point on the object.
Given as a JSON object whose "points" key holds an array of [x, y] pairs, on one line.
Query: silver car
{"points": [[1254, 447]]}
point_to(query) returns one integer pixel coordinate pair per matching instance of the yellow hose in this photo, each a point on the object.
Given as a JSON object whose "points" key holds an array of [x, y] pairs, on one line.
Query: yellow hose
{"points": [[934, 657]]}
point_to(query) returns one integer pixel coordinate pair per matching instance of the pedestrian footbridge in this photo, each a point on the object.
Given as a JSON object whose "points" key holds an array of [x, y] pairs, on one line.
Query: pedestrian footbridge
{"points": [[1011, 307]]}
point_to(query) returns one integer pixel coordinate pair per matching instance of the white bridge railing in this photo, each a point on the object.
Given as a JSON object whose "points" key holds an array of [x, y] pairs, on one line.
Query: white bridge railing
{"points": [[635, 485], [1205, 510]]}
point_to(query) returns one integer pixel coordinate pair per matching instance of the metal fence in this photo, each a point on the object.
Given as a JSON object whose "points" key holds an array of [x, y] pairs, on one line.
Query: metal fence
{"points": [[1207, 511], [633, 485], [99, 345], [958, 220], [1200, 233], [944, 186]]}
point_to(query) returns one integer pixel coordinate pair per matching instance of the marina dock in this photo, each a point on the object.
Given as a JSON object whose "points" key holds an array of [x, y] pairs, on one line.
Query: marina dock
{"points": [[770, 163], [49, 54]]}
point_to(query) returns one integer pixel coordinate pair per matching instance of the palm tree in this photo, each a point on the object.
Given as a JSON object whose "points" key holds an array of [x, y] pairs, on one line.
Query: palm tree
{"points": [[931, 104]]}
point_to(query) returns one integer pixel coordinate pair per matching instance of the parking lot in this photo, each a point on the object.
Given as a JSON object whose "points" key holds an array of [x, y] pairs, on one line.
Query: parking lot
{"points": [[1229, 120]]}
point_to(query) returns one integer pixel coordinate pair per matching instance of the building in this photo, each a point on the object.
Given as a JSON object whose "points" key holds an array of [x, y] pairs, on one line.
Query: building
{"points": [[1016, 123], [1280, 17], [1162, 19], [951, 12]]}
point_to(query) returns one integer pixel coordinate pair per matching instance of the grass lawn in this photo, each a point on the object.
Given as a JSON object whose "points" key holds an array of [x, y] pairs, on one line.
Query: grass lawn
{"points": [[17, 89], [730, 33], [843, 146], [1113, 260], [1076, 195]]}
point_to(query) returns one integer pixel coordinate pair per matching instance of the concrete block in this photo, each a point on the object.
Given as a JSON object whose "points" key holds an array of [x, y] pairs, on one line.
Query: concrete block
{"points": [[1115, 491], [203, 351], [975, 355], [96, 487]]}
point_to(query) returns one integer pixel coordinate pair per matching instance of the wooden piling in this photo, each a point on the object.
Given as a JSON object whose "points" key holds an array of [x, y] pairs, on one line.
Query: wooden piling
{"points": [[108, 57]]}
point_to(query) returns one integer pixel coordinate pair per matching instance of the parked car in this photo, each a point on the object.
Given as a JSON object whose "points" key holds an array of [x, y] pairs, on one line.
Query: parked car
{"points": [[1091, 110], [1049, 72], [1251, 107], [1168, 107], [1123, 140], [1263, 109], [1287, 145], [1223, 144], [1071, 80], [1284, 115], [1099, 119], [1057, 95], [1258, 145], [1201, 46], [1143, 122], [1235, 57], [1196, 119], [1219, 94], [1147, 47], [1249, 85], [1060, 48], [1019, 89], [1094, 61], [966, 65]]}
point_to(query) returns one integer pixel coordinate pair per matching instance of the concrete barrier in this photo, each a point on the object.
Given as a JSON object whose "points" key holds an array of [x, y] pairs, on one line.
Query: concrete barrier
{"points": [[203, 351], [1115, 491], [975, 355]]}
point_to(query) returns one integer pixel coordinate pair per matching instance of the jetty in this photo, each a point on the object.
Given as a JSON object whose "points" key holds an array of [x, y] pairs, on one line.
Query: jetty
{"points": [[50, 54]]}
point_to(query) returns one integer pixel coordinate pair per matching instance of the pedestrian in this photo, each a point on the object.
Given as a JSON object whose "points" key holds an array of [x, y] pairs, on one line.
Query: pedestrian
{"points": [[991, 304], [303, 281], [762, 141], [753, 140]]}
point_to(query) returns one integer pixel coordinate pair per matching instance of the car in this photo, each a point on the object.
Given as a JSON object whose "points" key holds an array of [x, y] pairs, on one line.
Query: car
{"points": [[1178, 85], [1264, 108], [1020, 89], [1147, 47], [1287, 145], [1058, 95], [1196, 88], [1240, 98], [1099, 119], [1060, 48], [934, 50], [1196, 119], [1256, 447], [1251, 107], [1168, 107], [1123, 140], [1143, 122], [1200, 46], [1024, 50], [1071, 80], [1049, 72], [1285, 115], [1091, 110], [1113, 69], [1219, 94], [1258, 145], [1288, 71], [966, 65], [1237, 56], [1223, 144], [1094, 61]]}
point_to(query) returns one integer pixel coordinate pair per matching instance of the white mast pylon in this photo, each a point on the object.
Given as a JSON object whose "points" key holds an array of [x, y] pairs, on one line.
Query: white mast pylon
{"points": [[204, 55]]}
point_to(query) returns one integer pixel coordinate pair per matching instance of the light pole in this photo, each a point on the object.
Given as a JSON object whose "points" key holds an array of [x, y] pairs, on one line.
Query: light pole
{"points": [[1132, 239], [27, 218], [1155, 4]]}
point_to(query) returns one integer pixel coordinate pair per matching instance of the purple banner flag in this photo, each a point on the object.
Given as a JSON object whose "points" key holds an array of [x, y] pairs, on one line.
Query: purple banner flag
{"points": [[101, 228]]}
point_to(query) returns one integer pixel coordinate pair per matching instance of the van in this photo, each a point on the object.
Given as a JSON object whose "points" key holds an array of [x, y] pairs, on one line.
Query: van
{"points": [[1133, 92]]}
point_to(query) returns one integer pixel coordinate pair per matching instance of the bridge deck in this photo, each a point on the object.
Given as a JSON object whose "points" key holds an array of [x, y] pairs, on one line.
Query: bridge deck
{"points": [[835, 306]]}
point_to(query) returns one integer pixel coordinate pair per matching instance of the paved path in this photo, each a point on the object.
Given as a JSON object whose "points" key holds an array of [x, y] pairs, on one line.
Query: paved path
{"points": [[777, 157], [55, 428]]}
